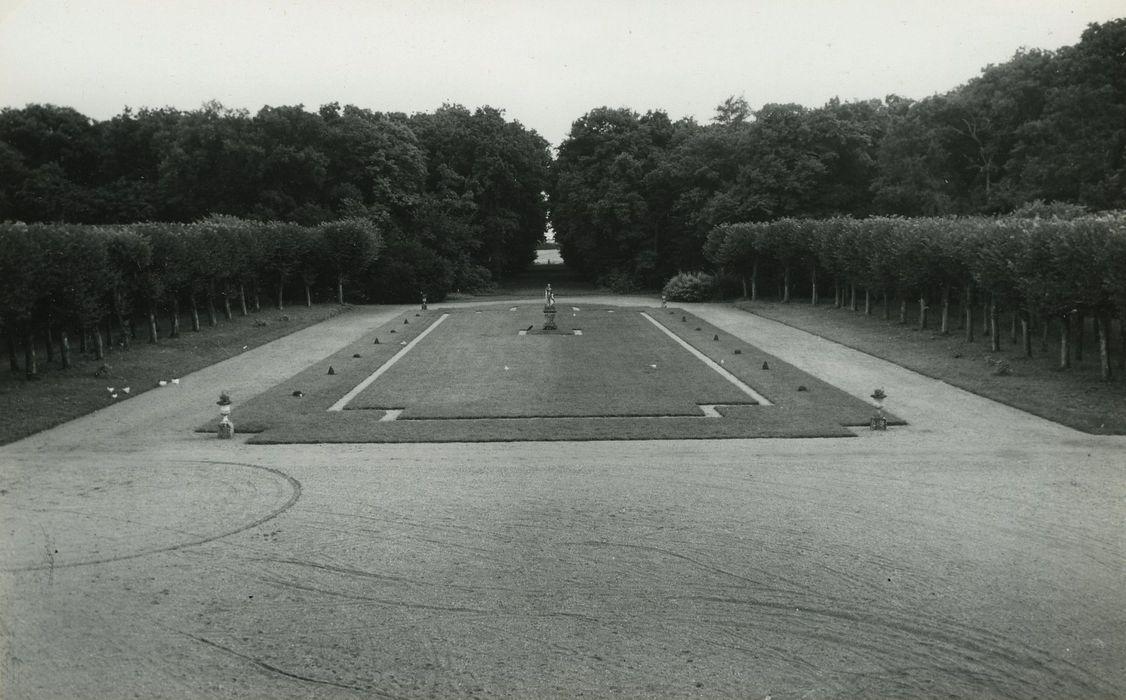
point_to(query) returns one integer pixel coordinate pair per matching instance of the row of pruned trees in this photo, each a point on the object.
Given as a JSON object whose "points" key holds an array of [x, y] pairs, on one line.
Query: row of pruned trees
{"points": [[1041, 270], [458, 194], [58, 282]]}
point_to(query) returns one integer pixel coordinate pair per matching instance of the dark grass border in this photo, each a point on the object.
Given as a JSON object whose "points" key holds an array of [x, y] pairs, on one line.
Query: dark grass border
{"points": [[29, 407], [1095, 418]]}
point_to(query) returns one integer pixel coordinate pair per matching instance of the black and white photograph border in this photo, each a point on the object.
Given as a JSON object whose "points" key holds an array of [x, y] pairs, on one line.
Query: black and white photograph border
{"points": [[957, 546]]}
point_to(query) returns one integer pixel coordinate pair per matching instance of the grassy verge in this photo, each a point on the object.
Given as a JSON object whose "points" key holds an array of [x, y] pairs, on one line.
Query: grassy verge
{"points": [[60, 395], [474, 378], [1076, 397]]}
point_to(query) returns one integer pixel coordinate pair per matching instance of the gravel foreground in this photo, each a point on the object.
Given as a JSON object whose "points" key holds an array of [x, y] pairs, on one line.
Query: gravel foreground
{"points": [[979, 551]]}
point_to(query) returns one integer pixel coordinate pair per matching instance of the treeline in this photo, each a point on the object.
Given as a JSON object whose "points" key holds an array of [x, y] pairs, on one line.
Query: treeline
{"points": [[634, 196], [458, 195], [1039, 270], [99, 283]]}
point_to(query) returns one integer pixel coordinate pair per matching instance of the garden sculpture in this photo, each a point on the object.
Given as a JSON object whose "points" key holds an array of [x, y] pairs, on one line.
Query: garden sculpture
{"points": [[549, 309]]}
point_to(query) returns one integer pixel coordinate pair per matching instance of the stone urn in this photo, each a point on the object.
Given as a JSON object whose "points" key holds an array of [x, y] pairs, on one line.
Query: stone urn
{"points": [[226, 427]]}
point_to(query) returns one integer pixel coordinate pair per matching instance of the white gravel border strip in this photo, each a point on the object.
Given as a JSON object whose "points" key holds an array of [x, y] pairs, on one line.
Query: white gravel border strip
{"points": [[759, 398], [344, 400]]}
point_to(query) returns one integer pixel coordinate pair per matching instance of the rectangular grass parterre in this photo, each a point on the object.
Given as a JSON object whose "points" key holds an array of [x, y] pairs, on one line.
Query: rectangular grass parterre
{"points": [[478, 365], [480, 375]]}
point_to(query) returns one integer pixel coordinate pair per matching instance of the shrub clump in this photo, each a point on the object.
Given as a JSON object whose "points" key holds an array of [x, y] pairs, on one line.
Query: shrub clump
{"points": [[690, 286], [619, 282]]}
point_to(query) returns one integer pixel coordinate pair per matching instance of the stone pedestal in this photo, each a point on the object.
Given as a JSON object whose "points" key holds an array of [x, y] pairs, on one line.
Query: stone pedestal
{"points": [[226, 427], [549, 318]]}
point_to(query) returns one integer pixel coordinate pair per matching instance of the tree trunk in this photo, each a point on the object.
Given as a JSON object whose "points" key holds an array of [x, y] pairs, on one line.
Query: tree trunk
{"points": [[852, 296], [744, 278], [83, 343], [50, 338], [30, 361], [13, 358], [227, 304], [1026, 333], [994, 329], [153, 337], [1104, 345], [99, 345], [1080, 322], [785, 285], [281, 305], [212, 319], [308, 296], [923, 309], [836, 294], [175, 332], [1122, 338], [754, 280], [968, 312], [867, 302], [257, 300], [984, 315], [944, 323], [64, 347], [1045, 328], [887, 305], [195, 314], [1065, 342], [242, 300], [813, 287], [1014, 321], [123, 332], [902, 310], [340, 289]]}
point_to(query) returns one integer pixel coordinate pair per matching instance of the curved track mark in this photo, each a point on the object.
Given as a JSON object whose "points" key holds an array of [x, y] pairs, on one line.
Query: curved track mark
{"points": [[295, 485]]}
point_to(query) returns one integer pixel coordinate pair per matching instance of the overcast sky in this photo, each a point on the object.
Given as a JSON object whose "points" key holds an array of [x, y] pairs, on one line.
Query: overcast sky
{"points": [[545, 63]]}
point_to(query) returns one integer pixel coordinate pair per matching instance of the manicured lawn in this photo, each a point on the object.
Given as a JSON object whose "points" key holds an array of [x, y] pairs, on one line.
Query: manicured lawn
{"points": [[1076, 397], [476, 365], [473, 377], [27, 407]]}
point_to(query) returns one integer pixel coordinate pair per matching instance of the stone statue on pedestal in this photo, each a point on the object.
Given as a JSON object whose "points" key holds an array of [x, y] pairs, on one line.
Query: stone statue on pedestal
{"points": [[549, 309]]}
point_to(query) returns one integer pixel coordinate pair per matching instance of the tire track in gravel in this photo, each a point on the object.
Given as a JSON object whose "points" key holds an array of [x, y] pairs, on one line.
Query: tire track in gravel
{"points": [[298, 583], [1009, 667], [282, 672], [295, 495], [1002, 663]]}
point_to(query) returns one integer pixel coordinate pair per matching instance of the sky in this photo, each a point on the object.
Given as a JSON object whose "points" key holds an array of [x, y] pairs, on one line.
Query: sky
{"points": [[545, 63]]}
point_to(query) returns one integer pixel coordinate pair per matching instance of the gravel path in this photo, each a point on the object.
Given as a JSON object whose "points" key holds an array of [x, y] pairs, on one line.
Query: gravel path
{"points": [[978, 552]]}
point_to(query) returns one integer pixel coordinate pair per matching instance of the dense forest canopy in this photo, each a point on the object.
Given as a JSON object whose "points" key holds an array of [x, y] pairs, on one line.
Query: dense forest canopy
{"points": [[457, 195], [635, 195], [459, 198]]}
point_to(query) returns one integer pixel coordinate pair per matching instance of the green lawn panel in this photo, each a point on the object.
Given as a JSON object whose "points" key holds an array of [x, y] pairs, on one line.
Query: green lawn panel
{"points": [[453, 386]]}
